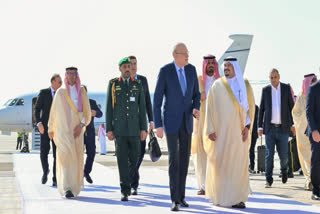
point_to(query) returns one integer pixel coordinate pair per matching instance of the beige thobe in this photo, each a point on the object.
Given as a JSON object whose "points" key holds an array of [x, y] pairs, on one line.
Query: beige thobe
{"points": [[303, 143], [64, 117], [227, 181]]}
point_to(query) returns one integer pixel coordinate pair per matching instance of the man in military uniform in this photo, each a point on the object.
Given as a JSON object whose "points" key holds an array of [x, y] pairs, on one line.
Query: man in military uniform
{"points": [[126, 122]]}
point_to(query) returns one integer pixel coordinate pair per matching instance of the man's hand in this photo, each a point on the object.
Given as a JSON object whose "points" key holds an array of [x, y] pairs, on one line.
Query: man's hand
{"points": [[196, 113], [151, 127], [293, 130], [110, 135], [316, 136], [77, 131], [159, 132], [245, 133], [143, 135], [93, 113], [260, 132], [51, 135], [213, 136], [40, 127], [203, 96]]}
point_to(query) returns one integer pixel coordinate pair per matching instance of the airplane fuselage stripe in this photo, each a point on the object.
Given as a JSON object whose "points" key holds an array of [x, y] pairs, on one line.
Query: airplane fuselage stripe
{"points": [[238, 50]]}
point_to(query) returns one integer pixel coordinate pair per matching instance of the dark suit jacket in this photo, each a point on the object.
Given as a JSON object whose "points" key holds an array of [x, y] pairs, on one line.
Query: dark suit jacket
{"points": [[265, 112], [175, 105], [93, 106], [313, 107], [43, 106], [255, 123], [145, 86]]}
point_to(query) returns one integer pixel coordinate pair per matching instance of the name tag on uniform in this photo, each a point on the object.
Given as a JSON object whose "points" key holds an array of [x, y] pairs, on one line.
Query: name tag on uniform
{"points": [[132, 99]]}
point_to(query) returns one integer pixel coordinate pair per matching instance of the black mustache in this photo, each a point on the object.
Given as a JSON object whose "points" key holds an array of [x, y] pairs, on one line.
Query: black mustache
{"points": [[226, 70]]}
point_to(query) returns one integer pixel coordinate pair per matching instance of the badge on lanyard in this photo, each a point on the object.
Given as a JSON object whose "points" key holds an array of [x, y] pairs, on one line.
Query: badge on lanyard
{"points": [[132, 99]]}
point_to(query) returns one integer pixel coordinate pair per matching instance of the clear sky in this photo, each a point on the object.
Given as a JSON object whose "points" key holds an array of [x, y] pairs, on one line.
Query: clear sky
{"points": [[42, 37]]}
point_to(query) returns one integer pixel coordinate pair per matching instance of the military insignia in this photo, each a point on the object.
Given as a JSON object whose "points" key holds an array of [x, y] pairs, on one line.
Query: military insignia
{"points": [[118, 89], [135, 87]]}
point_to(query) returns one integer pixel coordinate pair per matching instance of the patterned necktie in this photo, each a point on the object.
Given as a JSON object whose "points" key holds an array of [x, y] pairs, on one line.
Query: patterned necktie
{"points": [[182, 82], [54, 93]]}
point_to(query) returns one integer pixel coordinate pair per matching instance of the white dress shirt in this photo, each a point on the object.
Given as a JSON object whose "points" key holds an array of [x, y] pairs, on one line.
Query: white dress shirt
{"points": [[234, 85], [276, 104], [74, 95], [209, 81], [52, 92]]}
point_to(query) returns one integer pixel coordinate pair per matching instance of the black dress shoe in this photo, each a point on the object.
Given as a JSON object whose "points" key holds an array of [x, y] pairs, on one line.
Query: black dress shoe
{"points": [[134, 191], [175, 206], [44, 178], [290, 175], [124, 197], [88, 178], [183, 203], [69, 194], [284, 178], [241, 205], [315, 197], [54, 183]]}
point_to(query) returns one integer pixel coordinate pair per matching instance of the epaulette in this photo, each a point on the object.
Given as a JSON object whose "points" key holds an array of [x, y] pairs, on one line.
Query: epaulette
{"points": [[113, 80]]}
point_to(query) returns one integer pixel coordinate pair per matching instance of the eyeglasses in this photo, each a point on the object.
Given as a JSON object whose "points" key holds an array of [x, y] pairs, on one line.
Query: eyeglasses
{"points": [[72, 74], [185, 54]]}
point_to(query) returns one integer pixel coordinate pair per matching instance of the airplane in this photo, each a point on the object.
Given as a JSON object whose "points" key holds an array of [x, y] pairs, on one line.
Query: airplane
{"points": [[17, 114]]}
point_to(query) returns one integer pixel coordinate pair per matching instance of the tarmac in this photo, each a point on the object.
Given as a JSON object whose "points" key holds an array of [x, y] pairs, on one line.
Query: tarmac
{"points": [[12, 203]]}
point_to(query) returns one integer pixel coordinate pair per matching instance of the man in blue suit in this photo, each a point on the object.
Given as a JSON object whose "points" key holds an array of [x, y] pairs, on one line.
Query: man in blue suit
{"points": [[90, 140], [178, 83], [313, 118]]}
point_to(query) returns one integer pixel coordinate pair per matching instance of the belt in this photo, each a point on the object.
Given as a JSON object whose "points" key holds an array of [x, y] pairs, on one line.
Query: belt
{"points": [[275, 125]]}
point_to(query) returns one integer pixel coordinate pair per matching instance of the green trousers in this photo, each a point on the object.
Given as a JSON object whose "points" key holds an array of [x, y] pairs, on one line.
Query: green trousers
{"points": [[127, 151]]}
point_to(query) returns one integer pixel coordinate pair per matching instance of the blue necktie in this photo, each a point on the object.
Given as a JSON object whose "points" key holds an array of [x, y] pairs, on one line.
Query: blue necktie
{"points": [[182, 82]]}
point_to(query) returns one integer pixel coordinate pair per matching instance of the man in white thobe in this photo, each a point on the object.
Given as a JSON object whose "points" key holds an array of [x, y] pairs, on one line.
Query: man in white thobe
{"points": [[210, 72], [70, 114], [230, 110], [301, 123]]}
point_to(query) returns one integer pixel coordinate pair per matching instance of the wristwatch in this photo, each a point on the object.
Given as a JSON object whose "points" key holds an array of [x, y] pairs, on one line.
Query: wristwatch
{"points": [[248, 126]]}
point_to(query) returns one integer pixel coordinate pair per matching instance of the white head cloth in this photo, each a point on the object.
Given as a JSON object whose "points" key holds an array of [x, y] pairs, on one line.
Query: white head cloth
{"points": [[242, 85]]}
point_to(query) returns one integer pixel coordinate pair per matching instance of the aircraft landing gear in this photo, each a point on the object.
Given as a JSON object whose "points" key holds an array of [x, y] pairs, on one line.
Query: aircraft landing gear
{"points": [[25, 148]]}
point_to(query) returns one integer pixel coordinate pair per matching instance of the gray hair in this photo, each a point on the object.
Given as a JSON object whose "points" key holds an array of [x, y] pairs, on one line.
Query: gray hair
{"points": [[177, 46]]}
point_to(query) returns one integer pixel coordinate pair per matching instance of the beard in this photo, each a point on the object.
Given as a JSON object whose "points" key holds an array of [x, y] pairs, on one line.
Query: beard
{"points": [[210, 72]]}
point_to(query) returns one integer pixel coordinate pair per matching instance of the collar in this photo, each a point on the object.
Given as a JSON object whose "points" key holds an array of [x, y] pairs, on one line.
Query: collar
{"points": [[177, 67], [52, 90], [278, 87]]}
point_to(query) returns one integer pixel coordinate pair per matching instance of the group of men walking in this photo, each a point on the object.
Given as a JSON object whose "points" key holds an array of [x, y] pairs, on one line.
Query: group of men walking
{"points": [[209, 116]]}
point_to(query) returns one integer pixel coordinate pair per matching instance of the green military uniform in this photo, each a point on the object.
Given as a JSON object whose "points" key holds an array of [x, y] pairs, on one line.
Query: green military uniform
{"points": [[126, 117]]}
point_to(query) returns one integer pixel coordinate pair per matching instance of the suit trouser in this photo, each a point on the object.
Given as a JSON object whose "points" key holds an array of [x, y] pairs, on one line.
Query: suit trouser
{"points": [[135, 176], [90, 144], [251, 152], [315, 167], [127, 151], [179, 146], [276, 137], [44, 151], [19, 143]]}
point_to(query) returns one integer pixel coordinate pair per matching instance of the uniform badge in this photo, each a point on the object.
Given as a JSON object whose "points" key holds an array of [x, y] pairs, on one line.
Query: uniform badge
{"points": [[134, 87], [132, 99]]}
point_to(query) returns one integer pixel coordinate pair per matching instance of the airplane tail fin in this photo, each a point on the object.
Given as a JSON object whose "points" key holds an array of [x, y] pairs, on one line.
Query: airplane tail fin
{"points": [[239, 49]]}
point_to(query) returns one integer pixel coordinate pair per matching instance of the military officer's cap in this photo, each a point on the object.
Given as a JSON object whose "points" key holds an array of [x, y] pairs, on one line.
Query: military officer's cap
{"points": [[124, 60]]}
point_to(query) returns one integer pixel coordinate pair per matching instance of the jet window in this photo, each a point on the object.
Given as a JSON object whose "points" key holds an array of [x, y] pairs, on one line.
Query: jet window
{"points": [[20, 102], [13, 102]]}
